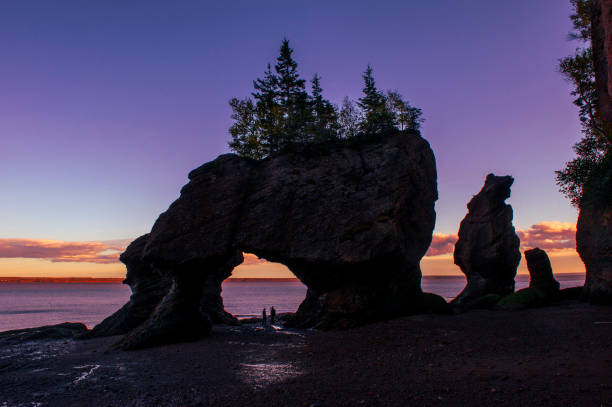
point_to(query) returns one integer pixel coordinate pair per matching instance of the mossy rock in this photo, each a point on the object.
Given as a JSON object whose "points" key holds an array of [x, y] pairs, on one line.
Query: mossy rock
{"points": [[522, 299], [487, 301]]}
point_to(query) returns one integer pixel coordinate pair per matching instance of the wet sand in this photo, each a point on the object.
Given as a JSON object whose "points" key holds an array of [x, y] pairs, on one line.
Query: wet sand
{"points": [[555, 356]]}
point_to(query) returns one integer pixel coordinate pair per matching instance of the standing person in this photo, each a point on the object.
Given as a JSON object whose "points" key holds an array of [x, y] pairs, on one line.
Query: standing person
{"points": [[272, 315], [264, 319]]}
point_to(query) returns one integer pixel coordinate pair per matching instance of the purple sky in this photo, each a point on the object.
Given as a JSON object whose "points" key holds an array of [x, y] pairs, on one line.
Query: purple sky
{"points": [[106, 106]]}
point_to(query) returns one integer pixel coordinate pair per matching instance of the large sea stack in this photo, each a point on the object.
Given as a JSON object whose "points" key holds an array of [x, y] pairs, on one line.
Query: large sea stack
{"points": [[351, 220], [594, 240], [594, 228], [487, 250]]}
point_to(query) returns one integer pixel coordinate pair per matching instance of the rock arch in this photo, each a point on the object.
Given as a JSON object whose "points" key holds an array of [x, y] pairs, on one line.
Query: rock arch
{"points": [[350, 220]]}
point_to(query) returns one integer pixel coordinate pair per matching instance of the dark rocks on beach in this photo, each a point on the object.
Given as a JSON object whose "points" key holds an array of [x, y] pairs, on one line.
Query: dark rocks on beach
{"points": [[487, 250], [540, 272], [351, 220], [66, 330], [543, 288]]}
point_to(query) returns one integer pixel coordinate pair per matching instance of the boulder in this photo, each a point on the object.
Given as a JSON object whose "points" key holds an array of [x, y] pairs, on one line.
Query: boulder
{"points": [[350, 219], [543, 288], [540, 272], [487, 250]]}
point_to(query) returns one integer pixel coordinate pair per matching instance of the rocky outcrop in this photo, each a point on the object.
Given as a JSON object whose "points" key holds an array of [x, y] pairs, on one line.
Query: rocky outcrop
{"points": [[66, 330], [594, 242], [594, 228], [148, 286], [487, 250], [350, 220], [540, 272], [543, 288]]}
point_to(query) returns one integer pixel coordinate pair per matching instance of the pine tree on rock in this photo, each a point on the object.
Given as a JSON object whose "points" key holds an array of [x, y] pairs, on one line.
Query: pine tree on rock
{"points": [[349, 119], [325, 118], [377, 118], [268, 111], [407, 117], [246, 134], [292, 98]]}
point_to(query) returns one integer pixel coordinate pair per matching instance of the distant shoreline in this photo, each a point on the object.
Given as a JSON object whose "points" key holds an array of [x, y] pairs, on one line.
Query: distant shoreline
{"points": [[116, 280]]}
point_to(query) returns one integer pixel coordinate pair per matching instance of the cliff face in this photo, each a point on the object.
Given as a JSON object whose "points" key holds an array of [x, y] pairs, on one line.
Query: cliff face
{"points": [[601, 38], [594, 228], [351, 222], [594, 244]]}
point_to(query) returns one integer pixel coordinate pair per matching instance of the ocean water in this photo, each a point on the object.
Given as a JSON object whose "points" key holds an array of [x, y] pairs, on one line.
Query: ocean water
{"points": [[24, 305]]}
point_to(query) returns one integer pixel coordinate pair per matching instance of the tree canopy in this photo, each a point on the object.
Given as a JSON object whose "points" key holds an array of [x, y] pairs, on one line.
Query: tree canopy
{"points": [[282, 113], [578, 69]]}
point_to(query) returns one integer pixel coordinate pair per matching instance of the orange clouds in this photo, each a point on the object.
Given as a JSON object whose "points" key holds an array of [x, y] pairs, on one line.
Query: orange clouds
{"points": [[251, 259], [441, 243], [58, 251], [549, 236]]}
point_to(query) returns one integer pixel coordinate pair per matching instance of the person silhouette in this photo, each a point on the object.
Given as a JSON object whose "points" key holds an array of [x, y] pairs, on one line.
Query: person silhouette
{"points": [[272, 315], [264, 319]]}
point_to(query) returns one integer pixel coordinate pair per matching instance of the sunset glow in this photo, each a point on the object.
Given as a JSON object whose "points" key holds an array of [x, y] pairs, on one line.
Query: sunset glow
{"points": [[53, 258]]}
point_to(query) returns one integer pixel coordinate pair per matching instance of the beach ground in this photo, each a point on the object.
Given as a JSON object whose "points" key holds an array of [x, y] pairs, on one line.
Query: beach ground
{"points": [[554, 356]]}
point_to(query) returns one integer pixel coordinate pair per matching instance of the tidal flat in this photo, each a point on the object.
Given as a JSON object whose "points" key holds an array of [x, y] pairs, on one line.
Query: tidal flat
{"points": [[553, 356]]}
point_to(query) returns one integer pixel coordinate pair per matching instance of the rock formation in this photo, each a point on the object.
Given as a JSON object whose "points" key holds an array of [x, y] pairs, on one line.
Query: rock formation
{"points": [[594, 243], [487, 250], [594, 228], [350, 220], [66, 330], [543, 288], [148, 286], [540, 272]]}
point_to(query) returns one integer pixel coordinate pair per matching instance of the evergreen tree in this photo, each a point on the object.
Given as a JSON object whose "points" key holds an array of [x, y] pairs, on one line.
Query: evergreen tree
{"points": [[246, 135], [407, 117], [282, 113], [578, 69], [292, 98], [377, 118], [325, 118], [349, 119], [269, 113]]}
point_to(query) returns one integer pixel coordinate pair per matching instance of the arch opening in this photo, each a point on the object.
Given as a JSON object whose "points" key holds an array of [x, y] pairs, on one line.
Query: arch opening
{"points": [[258, 284]]}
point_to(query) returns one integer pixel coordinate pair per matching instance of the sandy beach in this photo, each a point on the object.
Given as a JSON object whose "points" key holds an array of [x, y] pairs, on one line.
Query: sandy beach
{"points": [[554, 356]]}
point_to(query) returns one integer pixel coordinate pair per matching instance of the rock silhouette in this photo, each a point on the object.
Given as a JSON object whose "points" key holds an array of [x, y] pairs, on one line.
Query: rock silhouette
{"points": [[540, 272], [487, 250], [350, 220], [543, 288], [594, 227], [594, 245]]}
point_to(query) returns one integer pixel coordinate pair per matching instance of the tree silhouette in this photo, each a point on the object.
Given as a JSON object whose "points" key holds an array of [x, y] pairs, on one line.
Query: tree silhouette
{"points": [[282, 113], [377, 118], [292, 98], [325, 118]]}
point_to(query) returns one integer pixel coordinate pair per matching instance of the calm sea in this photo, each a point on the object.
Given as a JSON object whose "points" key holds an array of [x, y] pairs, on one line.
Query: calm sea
{"points": [[24, 305]]}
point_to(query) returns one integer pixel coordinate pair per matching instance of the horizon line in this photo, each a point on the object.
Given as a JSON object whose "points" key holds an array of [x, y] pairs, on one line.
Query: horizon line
{"points": [[7, 279]]}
